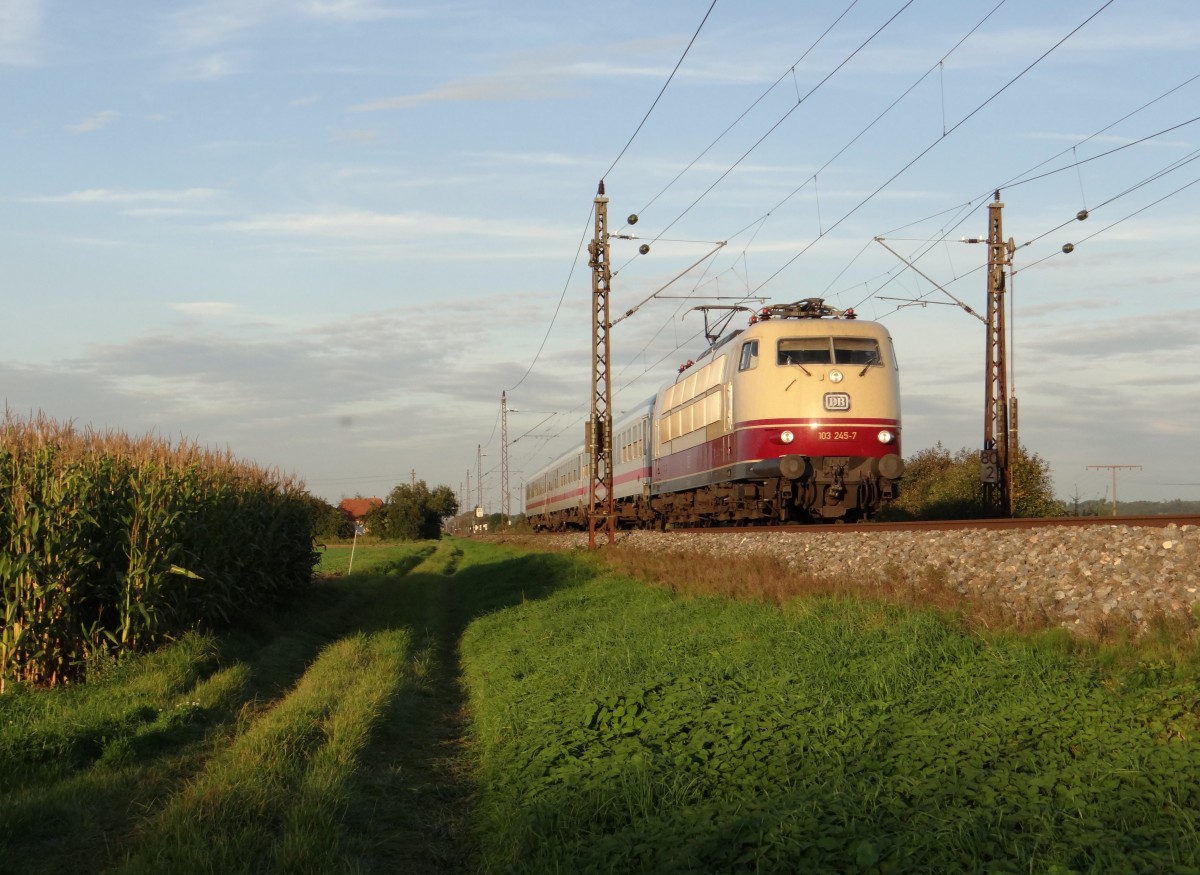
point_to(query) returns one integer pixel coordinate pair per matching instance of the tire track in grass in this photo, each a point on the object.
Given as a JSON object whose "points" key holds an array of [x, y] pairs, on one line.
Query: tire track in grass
{"points": [[356, 769], [416, 799], [273, 800]]}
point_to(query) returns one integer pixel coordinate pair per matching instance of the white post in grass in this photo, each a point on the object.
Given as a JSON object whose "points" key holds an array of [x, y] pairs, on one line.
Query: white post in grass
{"points": [[358, 529]]}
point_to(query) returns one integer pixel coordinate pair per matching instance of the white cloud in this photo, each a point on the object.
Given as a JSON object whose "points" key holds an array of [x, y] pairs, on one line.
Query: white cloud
{"points": [[205, 308], [215, 22], [470, 90], [354, 11], [95, 122], [361, 223], [21, 32], [117, 196], [202, 38], [210, 67]]}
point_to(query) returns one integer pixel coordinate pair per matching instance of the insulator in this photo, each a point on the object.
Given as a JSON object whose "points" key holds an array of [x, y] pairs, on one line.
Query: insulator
{"points": [[1081, 215], [644, 248], [1068, 248], [632, 220]]}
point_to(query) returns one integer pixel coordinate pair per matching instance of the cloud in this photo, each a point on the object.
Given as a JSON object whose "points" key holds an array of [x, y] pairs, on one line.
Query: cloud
{"points": [[358, 11], [211, 67], [1149, 338], [94, 123], [117, 196], [214, 23], [212, 39], [205, 308], [531, 77], [489, 89], [324, 224], [281, 393], [21, 32]]}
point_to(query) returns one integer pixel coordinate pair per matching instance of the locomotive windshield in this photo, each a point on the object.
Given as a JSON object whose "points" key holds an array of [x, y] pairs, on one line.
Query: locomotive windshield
{"points": [[829, 350]]}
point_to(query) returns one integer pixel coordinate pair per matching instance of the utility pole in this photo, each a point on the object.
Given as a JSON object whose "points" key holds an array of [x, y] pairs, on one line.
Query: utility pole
{"points": [[479, 479], [412, 476], [598, 439], [505, 500], [1114, 469], [995, 470]]}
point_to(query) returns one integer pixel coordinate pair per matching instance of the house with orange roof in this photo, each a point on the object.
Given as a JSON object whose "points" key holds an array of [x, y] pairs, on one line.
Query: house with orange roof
{"points": [[358, 507]]}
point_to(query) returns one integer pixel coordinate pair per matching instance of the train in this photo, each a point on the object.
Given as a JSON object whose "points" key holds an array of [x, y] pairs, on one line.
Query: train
{"points": [[794, 418]]}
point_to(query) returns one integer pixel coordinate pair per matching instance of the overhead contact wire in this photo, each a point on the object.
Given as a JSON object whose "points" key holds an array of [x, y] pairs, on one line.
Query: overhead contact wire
{"points": [[786, 115], [931, 146], [662, 91]]}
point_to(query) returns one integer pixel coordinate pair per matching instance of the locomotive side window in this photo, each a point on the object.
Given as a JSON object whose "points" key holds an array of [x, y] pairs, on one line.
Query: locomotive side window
{"points": [[856, 351], [804, 351], [749, 357]]}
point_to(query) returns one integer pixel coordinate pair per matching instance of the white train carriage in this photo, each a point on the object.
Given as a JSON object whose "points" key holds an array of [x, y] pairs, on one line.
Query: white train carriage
{"points": [[556, 497]]}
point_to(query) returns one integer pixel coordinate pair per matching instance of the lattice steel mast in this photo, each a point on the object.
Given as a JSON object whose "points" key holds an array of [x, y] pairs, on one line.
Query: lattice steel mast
{"points": [[505, 498], [599, 427], [995, 458]]}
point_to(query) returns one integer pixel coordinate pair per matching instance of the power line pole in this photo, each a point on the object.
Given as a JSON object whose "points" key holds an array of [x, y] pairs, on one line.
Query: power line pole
{"points": [[1114, 469], [994, 459], [505, 500], [479, 479], [599, 427]]}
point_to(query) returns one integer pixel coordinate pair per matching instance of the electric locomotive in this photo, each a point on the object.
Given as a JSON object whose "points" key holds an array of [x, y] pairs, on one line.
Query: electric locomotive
{"points": [[794, 418]]}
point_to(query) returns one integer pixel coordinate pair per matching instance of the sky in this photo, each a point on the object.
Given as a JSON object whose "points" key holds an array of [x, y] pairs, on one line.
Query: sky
{"points": [[328, 235]]}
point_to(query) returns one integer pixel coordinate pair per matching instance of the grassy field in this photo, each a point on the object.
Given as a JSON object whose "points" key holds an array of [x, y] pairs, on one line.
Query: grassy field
{"points": [[462, 706]]}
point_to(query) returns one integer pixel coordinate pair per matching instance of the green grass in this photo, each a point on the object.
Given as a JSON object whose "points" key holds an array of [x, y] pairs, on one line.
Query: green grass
{"points": [[460, 706], [621, 728], [290, 745], [371, 557]]}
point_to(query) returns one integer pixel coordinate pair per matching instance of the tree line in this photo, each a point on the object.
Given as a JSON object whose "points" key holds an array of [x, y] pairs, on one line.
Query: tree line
{"points": [[938, 484]]}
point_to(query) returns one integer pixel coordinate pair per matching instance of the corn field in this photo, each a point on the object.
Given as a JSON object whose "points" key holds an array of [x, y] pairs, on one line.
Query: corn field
{"points": [[113, 544]]}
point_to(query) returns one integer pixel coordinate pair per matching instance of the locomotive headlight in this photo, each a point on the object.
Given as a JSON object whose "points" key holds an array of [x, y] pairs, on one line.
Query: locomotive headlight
{"points": [[787, 437], [886, 437], [835, 376]]}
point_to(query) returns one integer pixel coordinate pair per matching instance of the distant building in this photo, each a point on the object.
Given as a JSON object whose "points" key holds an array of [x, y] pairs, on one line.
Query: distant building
{"points": [[356, 509]]}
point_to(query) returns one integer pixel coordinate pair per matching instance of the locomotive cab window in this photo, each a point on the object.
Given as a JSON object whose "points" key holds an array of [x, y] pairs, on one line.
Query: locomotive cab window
{"points": [[856, 351], [749, 357], [829, 351], [804, 351]]}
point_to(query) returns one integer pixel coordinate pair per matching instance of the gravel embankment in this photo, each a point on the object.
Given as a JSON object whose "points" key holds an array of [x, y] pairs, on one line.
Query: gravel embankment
{"points": [[1073, 575]]}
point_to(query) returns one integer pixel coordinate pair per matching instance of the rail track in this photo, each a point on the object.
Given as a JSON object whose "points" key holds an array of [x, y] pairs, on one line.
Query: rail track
{"points": [[1146, 521]]}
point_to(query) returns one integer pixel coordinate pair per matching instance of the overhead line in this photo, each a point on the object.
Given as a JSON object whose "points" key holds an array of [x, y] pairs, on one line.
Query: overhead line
{"points": [[930, 147], [785, 116], [587, 224], [753, 104], [877, 118], [570, 274], [662, 91], [1170, 168]]}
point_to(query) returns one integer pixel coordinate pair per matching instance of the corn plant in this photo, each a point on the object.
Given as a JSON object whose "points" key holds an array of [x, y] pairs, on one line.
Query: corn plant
{"points": [[111, 544]]}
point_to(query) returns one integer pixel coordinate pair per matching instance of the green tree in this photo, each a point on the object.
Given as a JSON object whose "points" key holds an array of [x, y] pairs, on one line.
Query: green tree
{"points": [[1033, 487], [413, 512], [327, 521], [940, 485]]}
